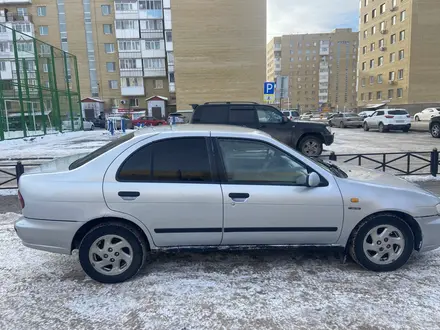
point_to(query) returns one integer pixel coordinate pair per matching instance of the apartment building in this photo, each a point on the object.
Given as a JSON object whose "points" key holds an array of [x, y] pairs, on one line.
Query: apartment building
{"points": [[398, 54], [321, 69]]}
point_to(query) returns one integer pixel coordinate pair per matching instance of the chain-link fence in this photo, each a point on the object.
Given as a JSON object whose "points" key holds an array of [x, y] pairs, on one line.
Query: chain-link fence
{"points": [[39, 87]]}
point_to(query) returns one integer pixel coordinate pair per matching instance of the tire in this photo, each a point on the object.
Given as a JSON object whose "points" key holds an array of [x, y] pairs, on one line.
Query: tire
{"points": [[341, 124], [435, 130], [392, 256], [406, 129], [330, 123], [92, 127], [416, 118], [310, 146], [366, 127], [382, 128], [108, 234]]}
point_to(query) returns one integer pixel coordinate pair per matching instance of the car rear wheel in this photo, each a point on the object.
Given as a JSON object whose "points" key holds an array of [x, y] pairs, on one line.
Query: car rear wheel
{"points": [[92, 127], [341, 124], [406, 129], [330, 123], [382, 243], [311, 146], [381, 128], [112, 252], [435, 130], [366, 127]]}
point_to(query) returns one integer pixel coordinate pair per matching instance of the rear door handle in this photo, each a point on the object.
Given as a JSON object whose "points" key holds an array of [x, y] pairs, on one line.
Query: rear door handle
{"points": [[129, 195], [239, 197]]}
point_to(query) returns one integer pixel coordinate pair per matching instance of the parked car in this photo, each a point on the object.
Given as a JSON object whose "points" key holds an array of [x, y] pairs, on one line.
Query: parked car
{"points": [[434, 127], [345, 120], [291, 114], [365, 114], [117, 120], [176, 118], [307, 115], [388, 119], [148, 121], [87, 125], [220, 186], [307, 137], [99, 122], [427, 114]]}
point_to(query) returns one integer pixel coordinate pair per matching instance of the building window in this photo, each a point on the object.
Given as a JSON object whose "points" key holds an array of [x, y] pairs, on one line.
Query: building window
{"points": [[172, 78], [2, 66], [109, 48], [133, 102], [393, 3], [131, 82], [363, 82], [364, 50], [380, 61], [379, 79], [372, 47], [366, 18], [365, 34], [128, 45], [371, 80], [400, 74], [362, 96], [370, 96], [402, 35], [126, 24], [391, 76], [373, 13], [381, 43], [401, 54], [154, 63], [394, 20], [152, 44], [106, 10], [399, 92], [44, 30], [392, 57], [382, 8], [403, 15], [379, 95], [391, 93], [129, 6], [152, 24], [382, 26], [113, 84], [130, 63], [371, 64], [108, 28], [373, 30], [364, 66], [365, 3], [158, 84], [393, 39], [111, 66], [41, 11], [169, 36], [22, 11], [45, 67], [150, 4]]}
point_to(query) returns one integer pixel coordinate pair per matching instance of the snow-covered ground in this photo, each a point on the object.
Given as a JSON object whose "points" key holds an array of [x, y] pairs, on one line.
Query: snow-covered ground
{"points": [[263, 289]]}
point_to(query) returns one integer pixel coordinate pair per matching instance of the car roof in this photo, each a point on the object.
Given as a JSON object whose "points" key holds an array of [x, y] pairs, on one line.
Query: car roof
{"points": [[200, 128]]}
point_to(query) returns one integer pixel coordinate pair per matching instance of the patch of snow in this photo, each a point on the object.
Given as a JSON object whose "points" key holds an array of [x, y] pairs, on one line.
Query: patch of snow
{"points": [[8, 192], [421, 178]]}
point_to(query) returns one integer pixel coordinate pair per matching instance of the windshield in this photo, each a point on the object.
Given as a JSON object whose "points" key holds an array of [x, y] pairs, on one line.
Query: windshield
{"points": [[328, 166], [98, 152]]}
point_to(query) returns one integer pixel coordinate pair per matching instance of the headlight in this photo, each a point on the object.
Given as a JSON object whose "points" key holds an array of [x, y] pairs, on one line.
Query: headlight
{"points": [[438, 208]]}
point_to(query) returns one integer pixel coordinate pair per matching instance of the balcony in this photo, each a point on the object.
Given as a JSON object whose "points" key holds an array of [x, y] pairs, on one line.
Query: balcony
{"points": [[132, 86], [155, 72], [14, 17], [127, 33], [15, 2], [152, 52], [277, 47], [150, 14]]}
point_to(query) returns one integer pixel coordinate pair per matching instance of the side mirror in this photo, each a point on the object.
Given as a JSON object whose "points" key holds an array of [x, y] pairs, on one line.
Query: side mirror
{"points": [[313, 180]]}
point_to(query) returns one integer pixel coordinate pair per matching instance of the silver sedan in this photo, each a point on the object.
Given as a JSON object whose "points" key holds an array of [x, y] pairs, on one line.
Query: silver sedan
{"points": [[345, 120], [197, 186]]}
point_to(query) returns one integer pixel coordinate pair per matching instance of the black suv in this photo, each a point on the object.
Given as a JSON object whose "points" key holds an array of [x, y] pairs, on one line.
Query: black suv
{"points": [[307, 137], [434, 126]]}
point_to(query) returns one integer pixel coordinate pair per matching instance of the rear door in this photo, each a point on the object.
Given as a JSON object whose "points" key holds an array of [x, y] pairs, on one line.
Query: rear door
{"points": [[211, 114], [243, 115], [168, 185]]}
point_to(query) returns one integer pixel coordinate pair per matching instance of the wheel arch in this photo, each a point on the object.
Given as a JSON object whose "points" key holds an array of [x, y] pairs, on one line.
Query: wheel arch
{"points": [[409, 220], [308, 134], [84, 229]]}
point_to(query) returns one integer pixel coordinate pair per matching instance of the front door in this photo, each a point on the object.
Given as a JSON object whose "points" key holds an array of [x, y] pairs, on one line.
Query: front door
{"points": [[266, 200], [271, 122], [168, 186]]}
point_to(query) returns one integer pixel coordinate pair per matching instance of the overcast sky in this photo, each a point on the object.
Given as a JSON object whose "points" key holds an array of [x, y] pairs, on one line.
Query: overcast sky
{"points": [[310, 16]]}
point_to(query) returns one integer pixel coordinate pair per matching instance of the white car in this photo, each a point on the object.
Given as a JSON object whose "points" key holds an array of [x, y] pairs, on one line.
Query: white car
{"points": [[388, 119], [87, 125], [427, 114]]}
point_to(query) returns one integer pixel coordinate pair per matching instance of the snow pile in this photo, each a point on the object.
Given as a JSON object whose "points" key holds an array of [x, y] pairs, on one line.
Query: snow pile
{"points": [[267, 289], [8, 192]]}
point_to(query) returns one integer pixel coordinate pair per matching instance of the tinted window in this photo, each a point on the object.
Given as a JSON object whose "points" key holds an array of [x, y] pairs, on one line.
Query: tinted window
{"points": [[213, 114], [380, 113], [397, 112], [98, 152], [174, 160], [242, 116], [249, 161], [269, 115]]}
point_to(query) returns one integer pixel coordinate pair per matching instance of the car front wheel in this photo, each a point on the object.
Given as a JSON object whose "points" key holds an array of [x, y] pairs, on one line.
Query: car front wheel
{"points": [[311, 146], [435, 130], [366, 127], [382, 243], [112, 252]]}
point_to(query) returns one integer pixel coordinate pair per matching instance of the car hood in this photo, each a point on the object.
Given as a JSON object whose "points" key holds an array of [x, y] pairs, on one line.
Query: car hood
{"points": [[361, 174], [57, 165]]}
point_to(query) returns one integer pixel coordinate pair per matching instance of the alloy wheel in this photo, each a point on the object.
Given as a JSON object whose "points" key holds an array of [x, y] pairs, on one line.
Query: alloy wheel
{"points": [[384, 244], [311, 148], [435, 130]]}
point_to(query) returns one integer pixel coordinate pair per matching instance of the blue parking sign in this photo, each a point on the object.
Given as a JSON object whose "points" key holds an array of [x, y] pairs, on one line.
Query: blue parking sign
{"points": [[269, 88]]}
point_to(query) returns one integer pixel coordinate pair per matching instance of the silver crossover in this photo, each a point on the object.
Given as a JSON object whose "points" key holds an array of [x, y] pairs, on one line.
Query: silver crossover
{"points": [[345, 120], [217, 186]]}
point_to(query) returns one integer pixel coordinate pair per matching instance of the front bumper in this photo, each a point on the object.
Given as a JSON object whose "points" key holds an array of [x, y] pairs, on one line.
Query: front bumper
{"points": [[47, 235], [430, 227], [328, 139]]}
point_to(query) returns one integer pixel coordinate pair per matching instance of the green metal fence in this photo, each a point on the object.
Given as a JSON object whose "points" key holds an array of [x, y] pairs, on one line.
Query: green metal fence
{"points": [[39, 87]]}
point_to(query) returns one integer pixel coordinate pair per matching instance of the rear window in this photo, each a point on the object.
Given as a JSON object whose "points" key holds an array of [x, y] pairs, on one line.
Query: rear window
{"points": [[98, 152], [397, 112], [213, 114]]}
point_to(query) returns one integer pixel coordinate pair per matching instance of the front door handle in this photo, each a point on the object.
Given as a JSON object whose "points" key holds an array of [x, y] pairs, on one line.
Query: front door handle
{"points": [[129, 195], [239, 197]]}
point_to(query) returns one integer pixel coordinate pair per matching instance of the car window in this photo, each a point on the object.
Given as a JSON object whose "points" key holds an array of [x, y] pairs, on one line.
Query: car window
{"points": [[351, 115], [397, 112], [256, 162], [98, 152], [286, 113], [269, 115], [242, 116], [380, 113], [212, 114], [175, 160]]}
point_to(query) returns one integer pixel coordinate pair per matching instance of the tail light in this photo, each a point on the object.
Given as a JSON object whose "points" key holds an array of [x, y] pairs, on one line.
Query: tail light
{"points": [[388, 116], [20, 199], [408, 116]]}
